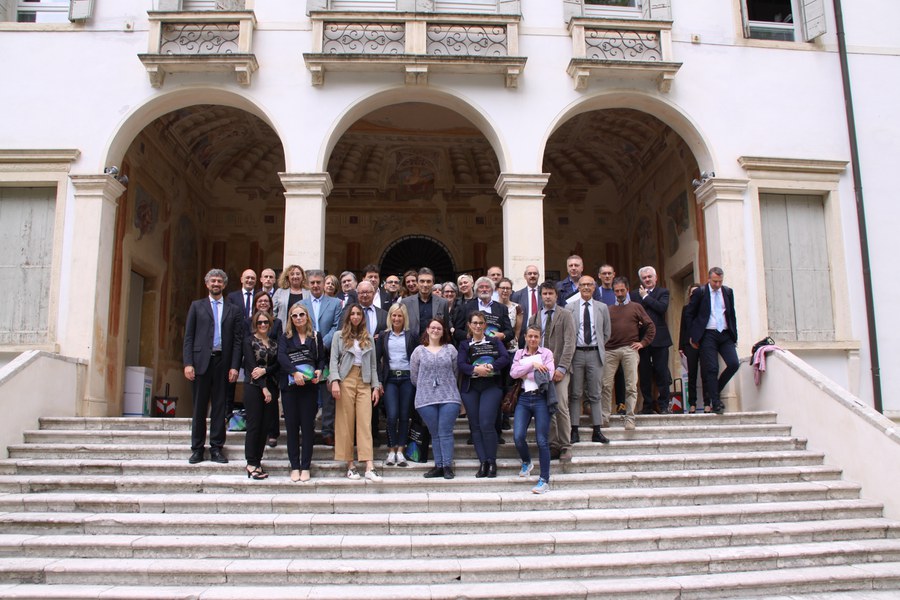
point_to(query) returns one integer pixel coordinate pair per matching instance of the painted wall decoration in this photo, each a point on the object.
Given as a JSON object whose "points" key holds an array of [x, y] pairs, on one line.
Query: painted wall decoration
{"points": [[146, 212], [677, 221]]}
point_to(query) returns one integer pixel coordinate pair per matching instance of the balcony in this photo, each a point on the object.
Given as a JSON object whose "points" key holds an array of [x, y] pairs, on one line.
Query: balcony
{"points": [[622, 48], [415, 44], [200, 42]]}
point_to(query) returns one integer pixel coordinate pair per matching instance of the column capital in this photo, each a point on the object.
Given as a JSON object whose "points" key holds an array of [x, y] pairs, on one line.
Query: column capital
{"points": [[304, 217], [522, 184], [721, 190], [104, 186], [304, 184]]}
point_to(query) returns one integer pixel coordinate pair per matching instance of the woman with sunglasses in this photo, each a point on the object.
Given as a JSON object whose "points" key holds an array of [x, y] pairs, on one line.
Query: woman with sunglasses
{"points": [[302, 359], [481, 361], [263, 302], [260, 363]]}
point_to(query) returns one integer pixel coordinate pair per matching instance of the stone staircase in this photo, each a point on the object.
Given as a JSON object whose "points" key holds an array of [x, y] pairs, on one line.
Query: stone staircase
{"points": [[686, 506]]}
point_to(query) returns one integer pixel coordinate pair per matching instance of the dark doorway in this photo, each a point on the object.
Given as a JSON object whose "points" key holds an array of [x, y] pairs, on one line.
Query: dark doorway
{"points": [[415, 252]]}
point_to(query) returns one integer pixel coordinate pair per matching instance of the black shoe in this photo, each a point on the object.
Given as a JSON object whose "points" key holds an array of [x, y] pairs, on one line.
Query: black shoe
{"points": [[434, 472], [598, 436], [492, 469], [217, 457], [500, 440], [469, 441], [719, 408], [506, 425], [554, 453], [575, 438], [482, 470], [565, 455], [448, 473], [272, 442], [196, 457]]}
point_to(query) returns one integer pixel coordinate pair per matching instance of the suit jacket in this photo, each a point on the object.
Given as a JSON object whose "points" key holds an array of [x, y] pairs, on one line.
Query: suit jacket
{"points": [[438, 311], [348, 298], [461, 329], [602, 326], [522, 297], [237, 298], [564, 290], [280, 300], [386, 300], [560, 337], [700, 307], [329, 317], [380, 318], [382, 355], [656, 303], [286, 345], [199, 331]]}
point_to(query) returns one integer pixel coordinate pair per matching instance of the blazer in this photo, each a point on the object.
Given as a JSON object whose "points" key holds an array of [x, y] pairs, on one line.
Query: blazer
{"points": [[237, 298], [280, 300], [602, 326], [198, 335], [560, 338], [656, 303], [438, 310], [286, 345], [386, 299], [380, 318], [564, 290], [700, 307], [342, 362], [248, 363], [329, 317], [522, 298], [384, 363], [461, 329], [466, 368]]}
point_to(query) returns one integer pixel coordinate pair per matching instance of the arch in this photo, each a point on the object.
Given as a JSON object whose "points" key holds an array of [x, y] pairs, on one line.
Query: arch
{"points": [[428, 251], [662, 109], [140, 117], [396, 95]]}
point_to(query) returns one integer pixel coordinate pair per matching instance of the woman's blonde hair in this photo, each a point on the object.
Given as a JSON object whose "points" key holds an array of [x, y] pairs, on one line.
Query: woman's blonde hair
{"points": [[398, 308], [285, 280], [289, 328]]}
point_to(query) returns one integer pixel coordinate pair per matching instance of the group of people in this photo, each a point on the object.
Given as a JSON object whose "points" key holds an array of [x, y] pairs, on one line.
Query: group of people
{"points": [[413, 347]]}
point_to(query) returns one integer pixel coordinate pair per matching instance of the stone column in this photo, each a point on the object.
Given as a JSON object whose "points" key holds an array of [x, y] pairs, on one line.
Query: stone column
{"points": [[90, 276], [726, 247], [304, 218], [523, 222]]}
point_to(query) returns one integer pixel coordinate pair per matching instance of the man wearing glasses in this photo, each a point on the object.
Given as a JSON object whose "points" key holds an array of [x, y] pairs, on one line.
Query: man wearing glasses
{"points": [[392, 288]]}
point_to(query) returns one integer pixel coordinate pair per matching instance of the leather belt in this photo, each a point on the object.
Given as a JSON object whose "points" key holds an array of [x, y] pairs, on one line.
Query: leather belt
{"points": [[399, 373], [586, 348]]}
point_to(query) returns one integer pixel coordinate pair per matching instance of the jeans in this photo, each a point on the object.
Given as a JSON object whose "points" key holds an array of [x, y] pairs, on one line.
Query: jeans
{"points": [[440, 418], [482, 406], [300, 407], [398, 399], [533, 404]]}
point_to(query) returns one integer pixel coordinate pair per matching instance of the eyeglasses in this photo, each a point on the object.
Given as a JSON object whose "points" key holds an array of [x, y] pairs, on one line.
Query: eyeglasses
{"points": [[298, 315], [392, 282], [262, 322], [477, 323], [436, 329], [504, 288]]}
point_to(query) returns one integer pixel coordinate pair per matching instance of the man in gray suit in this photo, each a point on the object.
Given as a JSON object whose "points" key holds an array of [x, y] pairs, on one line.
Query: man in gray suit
{"points": [[592, 330], [558, 335], [424, 306]]}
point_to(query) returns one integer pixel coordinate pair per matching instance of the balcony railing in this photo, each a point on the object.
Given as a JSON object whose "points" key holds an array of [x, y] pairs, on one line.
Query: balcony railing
{"points": [[415, 44], [201, 41], [626, 48]]}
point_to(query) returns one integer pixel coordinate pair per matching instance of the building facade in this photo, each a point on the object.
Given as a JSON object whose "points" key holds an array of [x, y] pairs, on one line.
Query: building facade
{"points": [[147, 141]]}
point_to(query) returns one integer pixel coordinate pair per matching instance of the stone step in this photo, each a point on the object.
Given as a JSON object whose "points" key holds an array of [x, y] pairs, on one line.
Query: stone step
{"points": [[404, 547], [854, 582], [180, 423], [209, 522], [705, 445], [376, 496], [329, 478], [438, 570], [579, 464]]}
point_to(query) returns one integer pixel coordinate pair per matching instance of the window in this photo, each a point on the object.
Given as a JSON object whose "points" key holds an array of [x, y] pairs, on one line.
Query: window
{"points": [[783, 20], [42, 11], [796, 266]]}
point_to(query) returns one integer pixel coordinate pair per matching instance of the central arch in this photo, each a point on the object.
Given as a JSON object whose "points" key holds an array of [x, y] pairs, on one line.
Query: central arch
{"points": [[414, 251]]}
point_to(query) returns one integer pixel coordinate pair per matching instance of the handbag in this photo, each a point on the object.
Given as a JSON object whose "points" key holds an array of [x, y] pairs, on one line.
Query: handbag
{"points": [[418, 440], [238, 420], [508, 406]]}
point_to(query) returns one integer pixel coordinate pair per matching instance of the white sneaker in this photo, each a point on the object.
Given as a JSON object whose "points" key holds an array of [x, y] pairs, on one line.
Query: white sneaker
{"points": [[401, 459], [373, 476], [391, 459], [353, 474]]}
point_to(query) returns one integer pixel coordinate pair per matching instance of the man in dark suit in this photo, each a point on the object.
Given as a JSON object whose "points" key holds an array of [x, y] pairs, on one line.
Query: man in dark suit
{"points": [[267, 279], [654, 364], [714, 331], [326, 320], [211, 353], [568, 287], [382, 298], [496, 315], [425, 306], [347, 293], [529, 298], [243, 298], [558, 335]]}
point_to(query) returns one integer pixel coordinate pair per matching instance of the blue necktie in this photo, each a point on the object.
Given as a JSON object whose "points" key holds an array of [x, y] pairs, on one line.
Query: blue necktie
{"points": [[717, 303], [217, 331]]}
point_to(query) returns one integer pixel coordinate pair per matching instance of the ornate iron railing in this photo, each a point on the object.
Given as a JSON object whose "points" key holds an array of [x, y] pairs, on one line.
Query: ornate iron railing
{"points": [[199, 38], [623, 44], [363, 38], [466, 40]]}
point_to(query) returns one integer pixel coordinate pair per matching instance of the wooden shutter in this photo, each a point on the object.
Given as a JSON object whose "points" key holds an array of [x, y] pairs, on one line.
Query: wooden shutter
{"points": [[745, 19], [466, 6], [812, 15], [80, 10]]}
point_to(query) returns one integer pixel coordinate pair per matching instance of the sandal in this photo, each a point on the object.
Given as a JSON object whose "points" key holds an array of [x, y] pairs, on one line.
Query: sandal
{"points": [[257, 473], [707, 409], [692, 410]]}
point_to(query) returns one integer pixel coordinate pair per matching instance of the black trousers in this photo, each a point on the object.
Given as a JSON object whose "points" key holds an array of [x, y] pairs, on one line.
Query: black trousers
{"points": [[209, 396], [654, 368], [300, 404], [272, 422], [259, 413], [715, 344], [693, 368]]}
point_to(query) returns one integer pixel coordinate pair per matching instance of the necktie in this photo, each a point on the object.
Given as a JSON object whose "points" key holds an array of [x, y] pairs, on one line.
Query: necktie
{"points": [[534, 302], [546, 327], [217, 327], [586, 323], [248, 304], [717, 305], [370, 321]]}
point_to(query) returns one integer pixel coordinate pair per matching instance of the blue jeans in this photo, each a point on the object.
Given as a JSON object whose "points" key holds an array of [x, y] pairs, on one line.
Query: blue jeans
{"points": [[439, 418], [533, 405], [482, 407], [398, 399]]}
